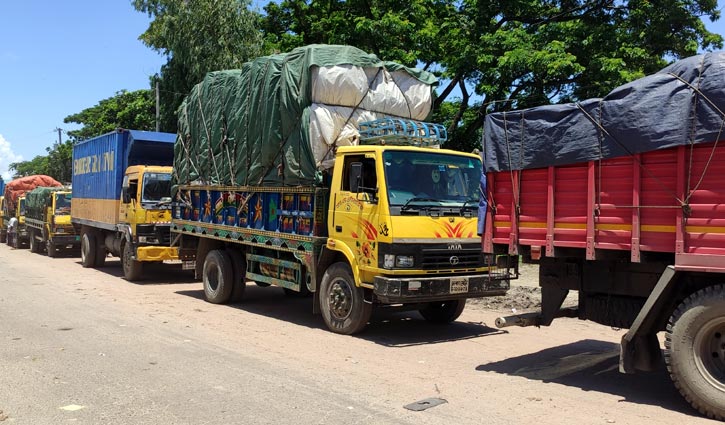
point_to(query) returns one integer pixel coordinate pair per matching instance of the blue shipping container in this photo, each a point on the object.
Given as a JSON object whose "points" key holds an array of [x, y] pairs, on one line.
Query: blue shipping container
{"points": [[99, 165]]}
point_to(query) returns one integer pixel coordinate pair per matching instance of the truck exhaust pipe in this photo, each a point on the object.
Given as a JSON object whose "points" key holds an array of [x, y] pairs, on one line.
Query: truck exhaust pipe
{"points": [[532, 319]]}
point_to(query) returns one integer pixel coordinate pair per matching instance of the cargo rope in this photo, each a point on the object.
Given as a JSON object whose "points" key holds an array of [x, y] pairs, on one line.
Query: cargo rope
{"points": [[208, 138], [719, 134]]}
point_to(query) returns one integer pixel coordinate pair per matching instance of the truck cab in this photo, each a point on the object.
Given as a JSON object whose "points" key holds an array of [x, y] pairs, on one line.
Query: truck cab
{"points": [[145, 215]]}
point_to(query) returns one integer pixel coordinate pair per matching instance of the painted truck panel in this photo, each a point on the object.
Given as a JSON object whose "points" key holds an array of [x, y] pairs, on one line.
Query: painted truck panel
{"points": [[99, 165]]}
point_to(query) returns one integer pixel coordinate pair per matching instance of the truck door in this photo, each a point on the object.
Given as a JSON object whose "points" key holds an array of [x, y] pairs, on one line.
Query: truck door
{"points": [[356, 208]]}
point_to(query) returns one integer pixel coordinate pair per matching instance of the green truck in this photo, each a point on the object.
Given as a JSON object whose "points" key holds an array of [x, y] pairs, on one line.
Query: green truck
{"points": [[47, 220]]}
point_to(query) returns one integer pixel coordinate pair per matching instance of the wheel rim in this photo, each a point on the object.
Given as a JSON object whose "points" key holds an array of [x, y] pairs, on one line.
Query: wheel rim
{"points": [[710, 352], [340, 299]]}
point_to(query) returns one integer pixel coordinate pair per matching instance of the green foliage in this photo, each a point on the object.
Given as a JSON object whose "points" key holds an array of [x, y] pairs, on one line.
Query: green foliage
{"points": [[37, 165], [505, 54], [57, 164], [197, 37], [134, 110]]}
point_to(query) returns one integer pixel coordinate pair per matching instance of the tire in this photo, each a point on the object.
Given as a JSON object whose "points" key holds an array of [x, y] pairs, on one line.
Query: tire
{"points": [[50, 249], [239, 270], [695, 350], [218, 277], [3, 237], [33, 242], [88, 250], [342, 304], [444, 311], [101, 252], [132, 269]]}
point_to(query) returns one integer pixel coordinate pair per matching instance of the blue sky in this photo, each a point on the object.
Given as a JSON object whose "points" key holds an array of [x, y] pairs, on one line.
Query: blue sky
{"points": [[60, 57]]}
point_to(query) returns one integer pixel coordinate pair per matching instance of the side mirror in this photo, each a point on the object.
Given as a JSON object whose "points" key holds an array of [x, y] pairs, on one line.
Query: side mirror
{"points": [[355, 176], [125, 196]]}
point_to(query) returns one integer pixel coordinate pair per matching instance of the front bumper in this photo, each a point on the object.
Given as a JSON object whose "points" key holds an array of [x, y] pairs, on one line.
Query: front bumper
{"points": [[156, 253], [74, 240], [393, 290]]}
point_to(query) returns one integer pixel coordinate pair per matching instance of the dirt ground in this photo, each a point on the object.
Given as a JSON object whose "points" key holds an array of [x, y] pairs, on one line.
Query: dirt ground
{"points": [[85, 346]]}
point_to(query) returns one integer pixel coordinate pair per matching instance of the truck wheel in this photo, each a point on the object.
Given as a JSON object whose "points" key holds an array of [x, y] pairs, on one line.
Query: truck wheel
{"points": [[132, 269], [50, 249], [101, 252], [218, 276], [444, 311], [239, 267], [33, 242], [88, 250], [3, 237], [341, 302], [695, 350]]}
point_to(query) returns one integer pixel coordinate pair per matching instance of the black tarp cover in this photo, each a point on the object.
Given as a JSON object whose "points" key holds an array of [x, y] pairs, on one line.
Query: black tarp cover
{"points": [[681, 104]]}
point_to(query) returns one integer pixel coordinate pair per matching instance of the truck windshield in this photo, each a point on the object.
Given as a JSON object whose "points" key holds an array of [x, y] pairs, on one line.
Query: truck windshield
{"points": [[62, 203], [156, 188], [429, 179], [21, 203]]}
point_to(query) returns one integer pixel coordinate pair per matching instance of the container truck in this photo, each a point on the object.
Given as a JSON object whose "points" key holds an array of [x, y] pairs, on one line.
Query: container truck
{"points": [[121, 198], [48, 221], [281, 183], [14, 204], [622, 199]]}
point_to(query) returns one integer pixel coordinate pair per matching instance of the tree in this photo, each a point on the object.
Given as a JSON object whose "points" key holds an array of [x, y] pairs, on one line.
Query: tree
{"points": [[133, 110], [505, 54], [37, 165], [197, 37]]}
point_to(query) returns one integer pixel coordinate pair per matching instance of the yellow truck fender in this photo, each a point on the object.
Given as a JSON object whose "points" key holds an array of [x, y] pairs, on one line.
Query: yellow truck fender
{"points": [[334, 246]]}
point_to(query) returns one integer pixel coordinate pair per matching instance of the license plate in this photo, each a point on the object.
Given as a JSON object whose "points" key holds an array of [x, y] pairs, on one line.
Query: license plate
{"points": [[188, 265], [459, 286]]}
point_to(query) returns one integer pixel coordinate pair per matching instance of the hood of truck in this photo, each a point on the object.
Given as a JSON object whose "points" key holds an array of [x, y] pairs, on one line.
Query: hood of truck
{"points": [[156, 216], [412, 229]]}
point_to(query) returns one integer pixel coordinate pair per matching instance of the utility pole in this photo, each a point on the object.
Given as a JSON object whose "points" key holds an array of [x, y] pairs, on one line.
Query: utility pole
{"points": [[58, 130], [157, 105]]}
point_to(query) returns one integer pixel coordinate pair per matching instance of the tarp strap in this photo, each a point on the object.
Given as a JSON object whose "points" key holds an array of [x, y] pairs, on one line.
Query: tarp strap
{"points": [[719, 134], [630, 153], [225, 145], [352, 113], [208, 138]]}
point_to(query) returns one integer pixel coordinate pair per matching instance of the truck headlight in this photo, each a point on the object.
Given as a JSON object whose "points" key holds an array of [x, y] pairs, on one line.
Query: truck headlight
{"points": [[404, 261], [389, 261], [142, 239]]}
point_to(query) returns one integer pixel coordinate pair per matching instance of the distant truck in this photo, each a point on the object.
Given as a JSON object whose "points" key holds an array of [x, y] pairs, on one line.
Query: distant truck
{"points": [[622, 199], [14, 204], [48, 221], [353, 205], [122, 198], [3, 225]]}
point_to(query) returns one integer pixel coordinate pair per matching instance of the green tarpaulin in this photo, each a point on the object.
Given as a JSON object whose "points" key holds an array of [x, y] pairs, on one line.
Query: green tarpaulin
{"points": [[38, 199], [252, 126]]}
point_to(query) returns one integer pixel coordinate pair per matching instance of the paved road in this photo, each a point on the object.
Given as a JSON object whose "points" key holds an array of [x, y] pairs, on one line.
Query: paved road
{"points": [[85, 346]]}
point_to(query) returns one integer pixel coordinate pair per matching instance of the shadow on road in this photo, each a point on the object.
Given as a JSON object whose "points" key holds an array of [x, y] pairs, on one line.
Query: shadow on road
{"points": [[153, 273], [593, 365], [387, 327]]}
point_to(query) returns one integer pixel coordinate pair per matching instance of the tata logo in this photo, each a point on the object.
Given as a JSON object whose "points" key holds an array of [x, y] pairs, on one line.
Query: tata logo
{"points": [[454, 260], [454, 246]]}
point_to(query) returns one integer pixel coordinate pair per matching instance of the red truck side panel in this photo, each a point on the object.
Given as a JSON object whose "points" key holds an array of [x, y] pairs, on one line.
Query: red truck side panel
{"points": [[670, 201]]}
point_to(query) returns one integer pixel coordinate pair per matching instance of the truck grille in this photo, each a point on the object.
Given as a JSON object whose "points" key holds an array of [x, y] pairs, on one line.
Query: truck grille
{"points": [[448, 259], [161, 233]]}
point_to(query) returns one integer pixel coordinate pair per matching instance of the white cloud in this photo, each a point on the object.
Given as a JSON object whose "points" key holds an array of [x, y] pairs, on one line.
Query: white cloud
{"points": [[7, 156]]}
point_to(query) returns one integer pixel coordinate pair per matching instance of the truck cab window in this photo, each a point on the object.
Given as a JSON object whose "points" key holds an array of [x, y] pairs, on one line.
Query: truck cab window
{"points": [[369, 175]]}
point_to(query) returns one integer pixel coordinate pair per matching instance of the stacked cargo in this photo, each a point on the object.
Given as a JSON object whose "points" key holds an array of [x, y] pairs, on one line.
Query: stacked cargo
{"points": [[278, 120]]}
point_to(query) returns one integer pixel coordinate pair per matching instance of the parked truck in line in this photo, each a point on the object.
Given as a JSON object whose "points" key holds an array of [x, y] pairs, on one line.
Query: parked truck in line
{"points": [[621, 199], [356, 206], [3, 224], [14, 204], [48, 221], [121, 199]]}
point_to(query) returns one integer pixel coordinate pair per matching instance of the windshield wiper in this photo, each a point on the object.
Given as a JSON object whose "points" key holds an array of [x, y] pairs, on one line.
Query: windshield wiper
{"points": [[466, 202], [416, 199]]}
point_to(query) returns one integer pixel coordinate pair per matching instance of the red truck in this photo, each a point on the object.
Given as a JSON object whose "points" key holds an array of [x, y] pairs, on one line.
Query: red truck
{"points": [[623, 200]]}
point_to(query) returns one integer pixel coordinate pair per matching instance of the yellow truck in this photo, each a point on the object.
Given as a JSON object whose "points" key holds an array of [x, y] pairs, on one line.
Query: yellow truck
{"points": [[48, 221], [121, 199], [3, 225]]}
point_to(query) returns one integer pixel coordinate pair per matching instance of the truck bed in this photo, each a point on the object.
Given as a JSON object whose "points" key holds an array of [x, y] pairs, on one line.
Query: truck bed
{"points": [[666, 201]]}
